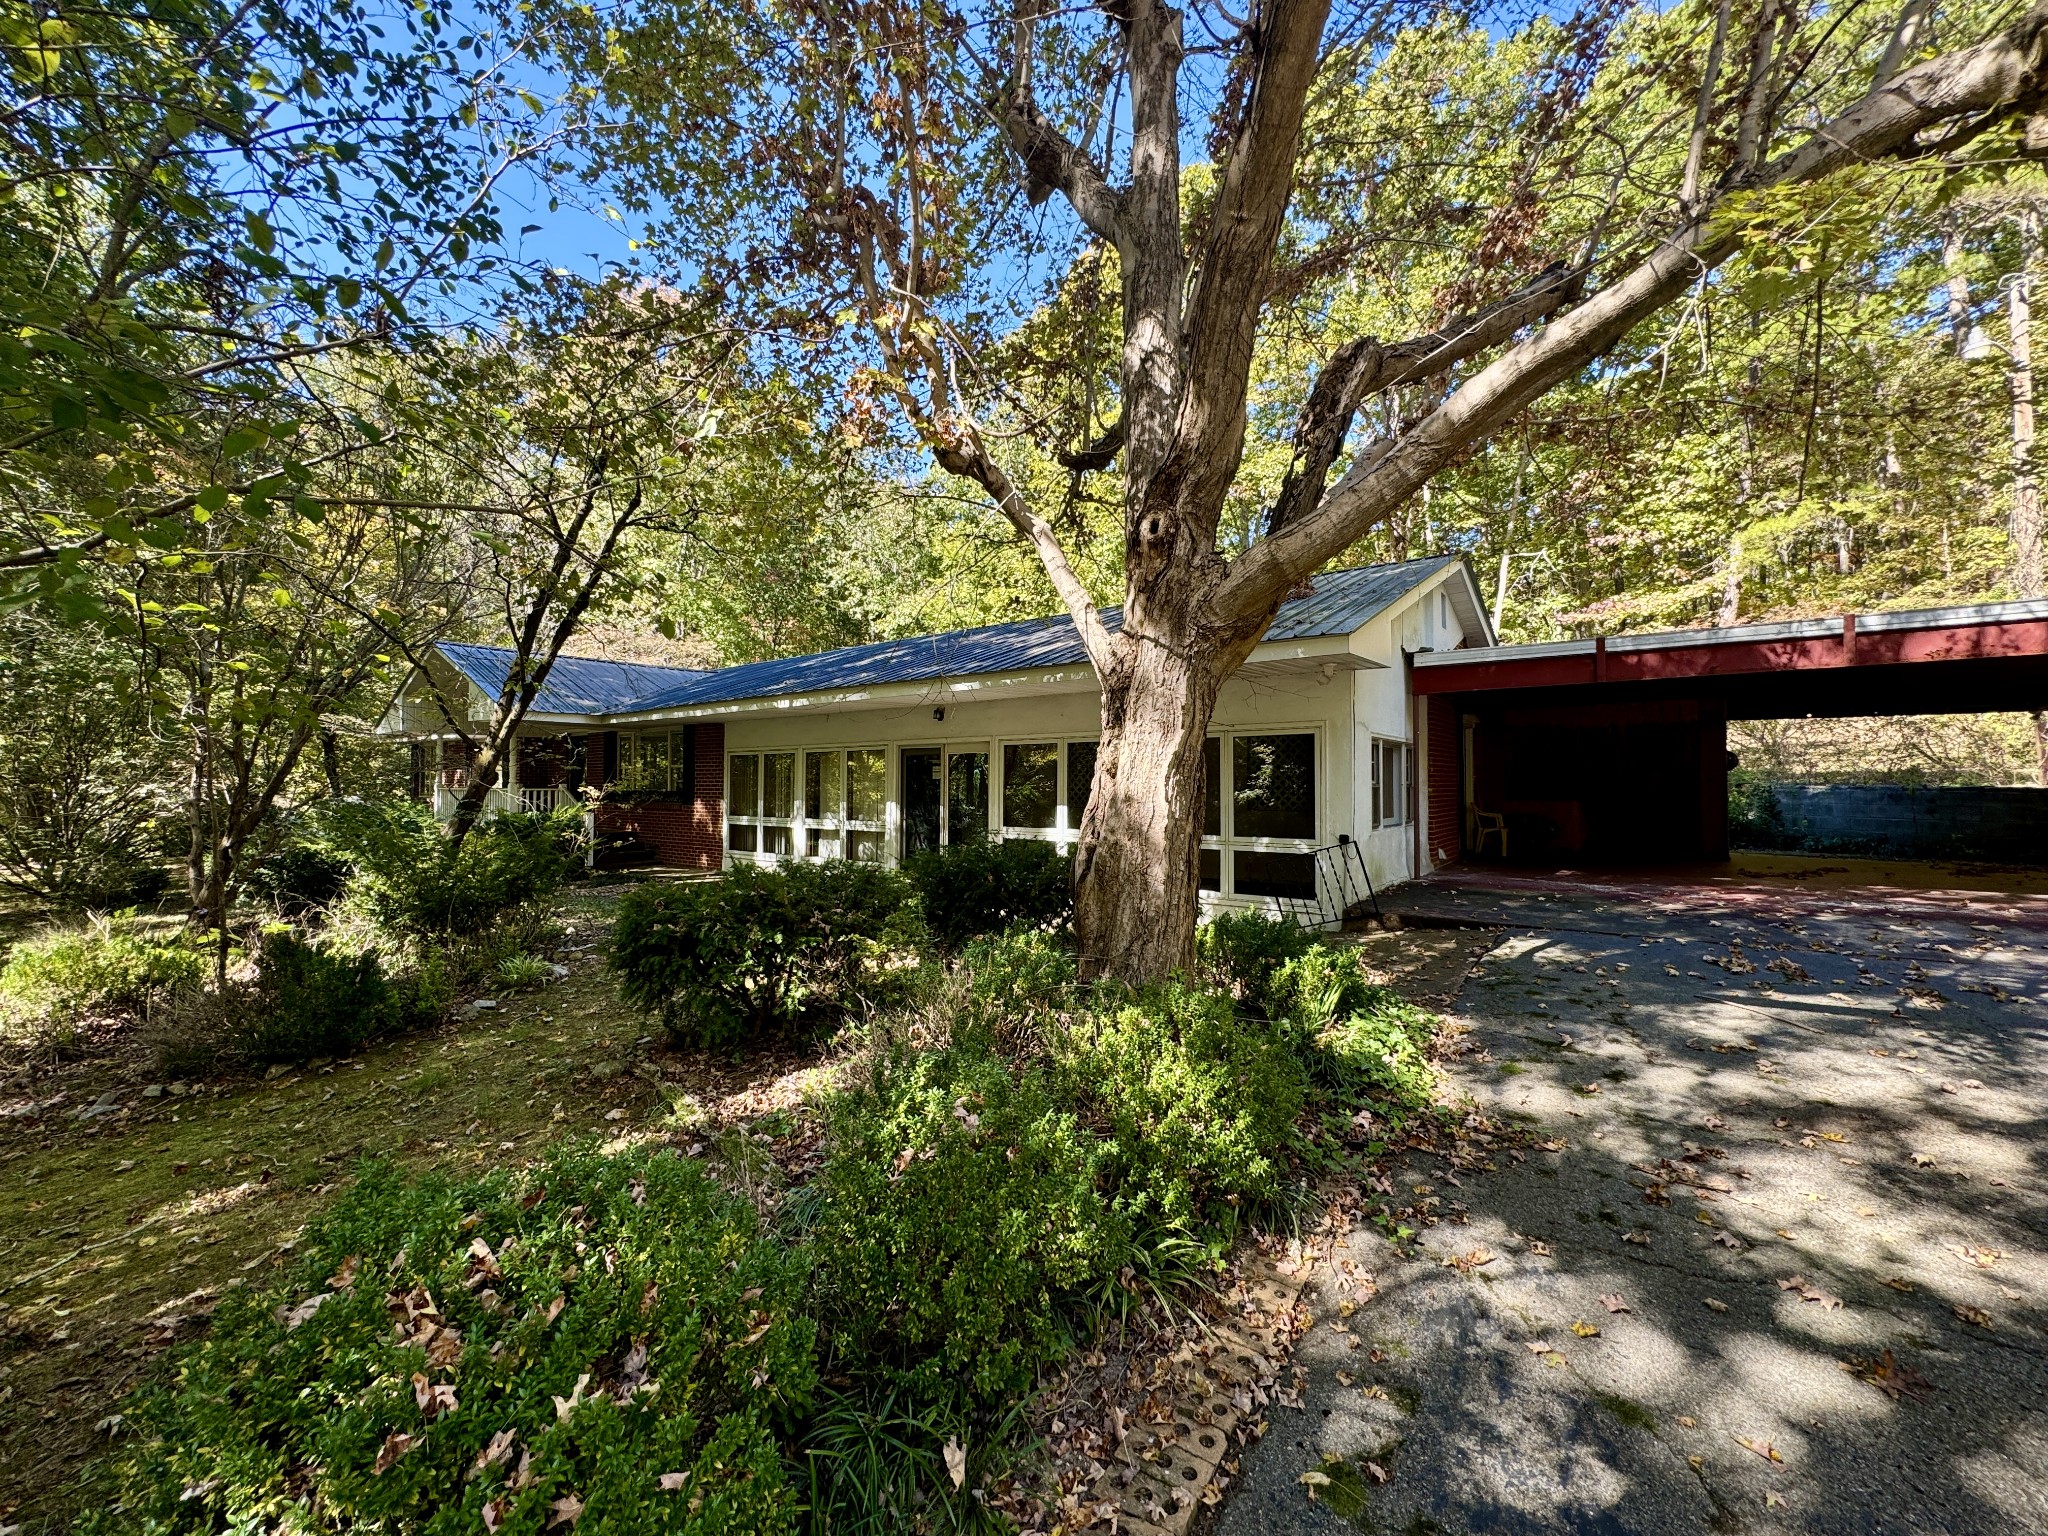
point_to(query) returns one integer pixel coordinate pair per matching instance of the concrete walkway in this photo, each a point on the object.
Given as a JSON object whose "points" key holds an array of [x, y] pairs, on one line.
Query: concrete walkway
{"points": [[1782, 1142]]}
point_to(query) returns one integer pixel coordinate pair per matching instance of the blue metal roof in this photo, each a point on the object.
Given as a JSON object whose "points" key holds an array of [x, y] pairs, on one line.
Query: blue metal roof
{"points": [[1339, 602], [576, 685]]}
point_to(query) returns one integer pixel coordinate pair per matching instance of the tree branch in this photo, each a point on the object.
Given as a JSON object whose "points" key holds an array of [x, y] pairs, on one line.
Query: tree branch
{"points": [[1053, 162], [1363, 367], [2002, 75], [958, 448], [1236, 260]]}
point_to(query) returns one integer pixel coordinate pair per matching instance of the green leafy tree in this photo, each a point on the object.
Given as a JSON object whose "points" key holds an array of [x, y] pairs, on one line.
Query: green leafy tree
{"points": [[1300, 171], [206, 204]]}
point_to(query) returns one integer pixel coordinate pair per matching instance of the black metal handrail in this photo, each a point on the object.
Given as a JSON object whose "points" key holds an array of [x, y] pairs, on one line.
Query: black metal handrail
{"points": [[1343, 886]]}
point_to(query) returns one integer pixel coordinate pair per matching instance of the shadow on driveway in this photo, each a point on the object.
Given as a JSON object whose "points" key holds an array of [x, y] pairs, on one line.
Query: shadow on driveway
{"points": [[1785, 1143]]}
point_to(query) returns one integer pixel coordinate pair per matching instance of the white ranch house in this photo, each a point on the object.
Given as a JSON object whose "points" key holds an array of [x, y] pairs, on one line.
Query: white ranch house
{"points": [[875, 751]]}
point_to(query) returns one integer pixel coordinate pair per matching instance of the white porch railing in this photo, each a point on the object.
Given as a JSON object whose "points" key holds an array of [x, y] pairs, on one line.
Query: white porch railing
{"points": [[502, 799]]}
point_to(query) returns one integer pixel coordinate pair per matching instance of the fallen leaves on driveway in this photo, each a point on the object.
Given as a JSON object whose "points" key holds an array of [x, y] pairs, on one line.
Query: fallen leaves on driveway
{"points": [[1761, 1447], [1974, 1315], [1808, 1291], [1613, 1302], [1894, 1379]]}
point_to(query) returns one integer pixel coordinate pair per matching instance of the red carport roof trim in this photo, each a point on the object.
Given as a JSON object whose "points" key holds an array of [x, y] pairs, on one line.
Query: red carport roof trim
{"points": [[1880, 639]]}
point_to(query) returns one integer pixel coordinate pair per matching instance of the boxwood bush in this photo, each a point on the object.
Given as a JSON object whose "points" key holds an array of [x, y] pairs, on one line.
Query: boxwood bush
{"points": [[1198, 1102], [607, 1343], [959, 1207], [1240, 951], [965, 890], [726, 962]]}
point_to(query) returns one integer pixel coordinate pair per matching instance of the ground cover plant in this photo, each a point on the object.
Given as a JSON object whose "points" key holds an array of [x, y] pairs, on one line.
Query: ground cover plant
{"points": [[1002, 1163], [604, 1338], [51, 983]]}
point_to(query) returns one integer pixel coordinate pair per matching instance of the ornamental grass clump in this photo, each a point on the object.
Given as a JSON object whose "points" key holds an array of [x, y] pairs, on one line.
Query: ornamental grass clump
{"points": [[601, 1343]]}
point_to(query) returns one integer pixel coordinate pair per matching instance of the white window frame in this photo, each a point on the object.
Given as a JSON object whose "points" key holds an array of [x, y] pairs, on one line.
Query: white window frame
{"points": [[803, 818], [1403, 751], [1227, 844], [1066, 826]]}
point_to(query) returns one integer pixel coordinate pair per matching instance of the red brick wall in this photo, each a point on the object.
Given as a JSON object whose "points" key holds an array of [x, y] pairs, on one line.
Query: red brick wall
{"points": [[1446, 837], [684, 835]]}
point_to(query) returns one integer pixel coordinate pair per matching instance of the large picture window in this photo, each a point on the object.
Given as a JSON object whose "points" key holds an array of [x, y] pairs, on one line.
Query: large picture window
{"points": [[657, 760], [1031, 786]]}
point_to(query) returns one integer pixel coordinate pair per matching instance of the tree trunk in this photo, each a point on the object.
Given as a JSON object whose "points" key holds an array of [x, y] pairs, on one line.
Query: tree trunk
{"points": [[1139, 860], [2026, 490], [483, 778]]}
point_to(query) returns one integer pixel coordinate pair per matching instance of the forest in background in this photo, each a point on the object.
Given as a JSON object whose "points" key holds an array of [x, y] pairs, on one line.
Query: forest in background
{"points": [[290, 393]]}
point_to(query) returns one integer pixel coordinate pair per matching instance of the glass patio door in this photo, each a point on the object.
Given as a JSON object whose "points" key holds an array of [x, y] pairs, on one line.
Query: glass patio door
{"points": [[923, 806]]}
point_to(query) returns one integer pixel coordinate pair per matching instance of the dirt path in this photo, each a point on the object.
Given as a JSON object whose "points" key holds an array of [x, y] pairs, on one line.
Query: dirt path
{"points": [[1784, 1145]]}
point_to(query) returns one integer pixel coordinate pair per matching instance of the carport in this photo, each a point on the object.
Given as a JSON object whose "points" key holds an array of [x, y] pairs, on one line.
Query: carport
{"points": [[1614, 750]]}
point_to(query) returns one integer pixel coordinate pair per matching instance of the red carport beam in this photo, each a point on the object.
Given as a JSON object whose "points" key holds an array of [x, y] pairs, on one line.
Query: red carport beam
{"points": [[2004, 630]]}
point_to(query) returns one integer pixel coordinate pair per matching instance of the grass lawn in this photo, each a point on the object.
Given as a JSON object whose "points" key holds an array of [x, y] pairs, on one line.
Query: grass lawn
{"points": [[118, 1234]]}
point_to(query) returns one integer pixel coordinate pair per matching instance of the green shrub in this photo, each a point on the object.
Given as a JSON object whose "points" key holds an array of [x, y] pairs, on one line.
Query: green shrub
{"points": [[108, 966], [1381, 1050], [1755, 819], [311, 1002], [1240, 951], [1358, 1041], [1198, 1102], [412, 879], [1316, 988], [959, 1207], [722, 962], [968, 889], [602, 1324], [298, 872]]}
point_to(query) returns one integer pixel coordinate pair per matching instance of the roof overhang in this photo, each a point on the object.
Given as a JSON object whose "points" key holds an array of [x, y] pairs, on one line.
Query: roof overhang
{"points": [[1882, 648]]}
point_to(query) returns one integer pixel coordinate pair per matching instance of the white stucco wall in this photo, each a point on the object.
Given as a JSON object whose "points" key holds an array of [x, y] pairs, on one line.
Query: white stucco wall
{"points": [[1290, 703]]}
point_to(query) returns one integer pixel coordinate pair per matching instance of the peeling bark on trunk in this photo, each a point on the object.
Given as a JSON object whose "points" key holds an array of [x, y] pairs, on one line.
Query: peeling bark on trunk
{"points": [[1138, 863]]}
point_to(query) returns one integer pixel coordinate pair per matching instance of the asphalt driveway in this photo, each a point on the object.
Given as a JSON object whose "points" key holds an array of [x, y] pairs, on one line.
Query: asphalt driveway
{"points": [[1777, 1260]]}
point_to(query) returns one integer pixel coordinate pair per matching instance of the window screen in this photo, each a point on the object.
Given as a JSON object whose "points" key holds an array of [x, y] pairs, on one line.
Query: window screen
{"points": [[1031, 790], [1080, 779], [1273, 786]]}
